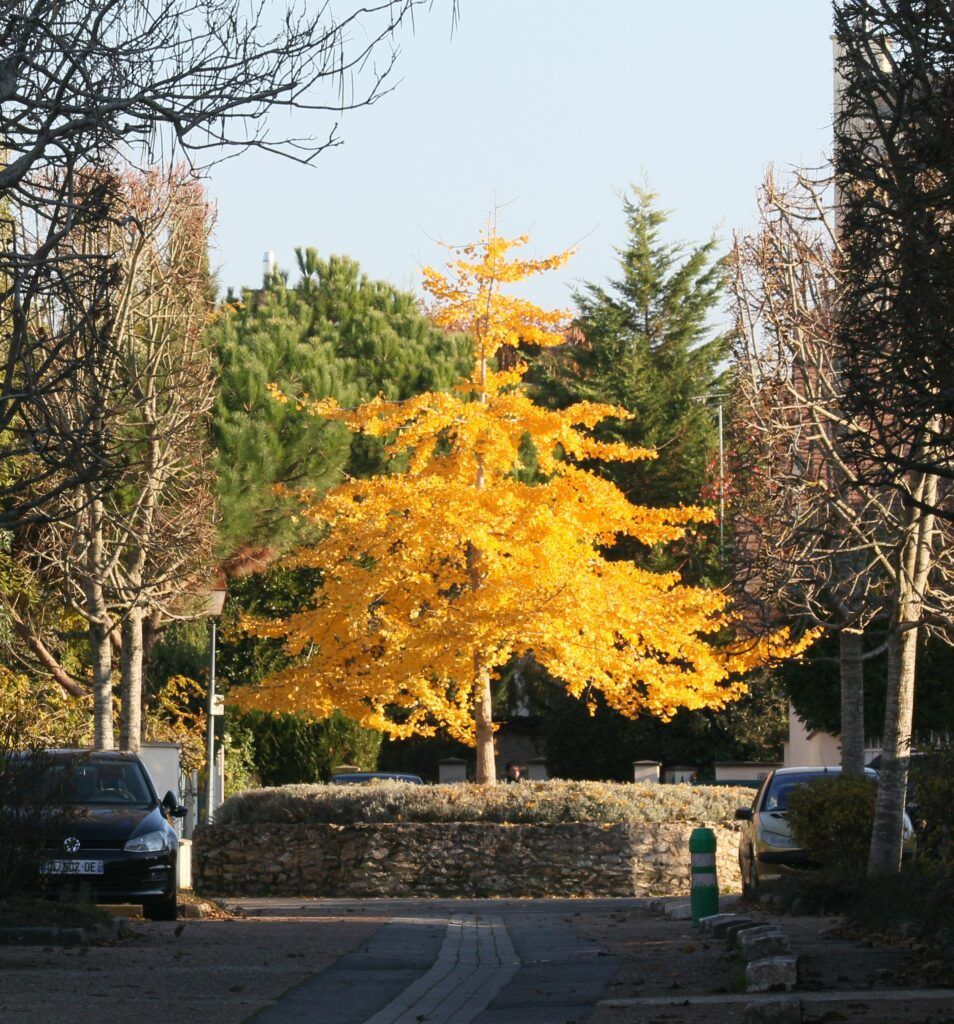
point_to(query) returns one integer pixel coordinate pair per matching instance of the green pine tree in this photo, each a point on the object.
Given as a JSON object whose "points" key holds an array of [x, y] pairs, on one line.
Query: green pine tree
{"points": [[337, 334], [645, 341]]}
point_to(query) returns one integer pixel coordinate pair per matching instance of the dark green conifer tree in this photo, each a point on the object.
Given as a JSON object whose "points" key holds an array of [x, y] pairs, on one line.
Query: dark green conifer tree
{"points": [[334, 333], [645, 341]]}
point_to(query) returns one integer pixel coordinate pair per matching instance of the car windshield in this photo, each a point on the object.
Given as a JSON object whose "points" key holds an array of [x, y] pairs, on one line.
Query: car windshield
{"points": [[84, 781], [781, 786]]}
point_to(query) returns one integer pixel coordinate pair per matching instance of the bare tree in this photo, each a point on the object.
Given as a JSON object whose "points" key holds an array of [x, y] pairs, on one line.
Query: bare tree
{"points": [[830, 542], [94, 83], [138, 551], [894, 158], [165, 531], [807, 535], [72, 389]]}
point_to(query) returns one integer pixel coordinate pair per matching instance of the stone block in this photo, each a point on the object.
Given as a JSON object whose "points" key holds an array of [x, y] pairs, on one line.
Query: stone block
{"points": [[773, 974], [765, 941], [734, 930], [716, 924], [679, 912], [784, 1010]]}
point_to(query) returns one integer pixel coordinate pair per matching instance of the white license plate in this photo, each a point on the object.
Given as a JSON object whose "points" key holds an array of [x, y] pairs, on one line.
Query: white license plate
{"points": [[72, 867]]}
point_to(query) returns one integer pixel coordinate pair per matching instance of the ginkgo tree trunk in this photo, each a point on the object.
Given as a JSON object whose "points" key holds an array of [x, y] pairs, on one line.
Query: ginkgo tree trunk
{"points": [[438, 573]]}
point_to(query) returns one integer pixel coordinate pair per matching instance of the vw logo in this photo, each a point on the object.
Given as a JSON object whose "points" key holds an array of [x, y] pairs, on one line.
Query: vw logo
{"points": [[71, 844]]}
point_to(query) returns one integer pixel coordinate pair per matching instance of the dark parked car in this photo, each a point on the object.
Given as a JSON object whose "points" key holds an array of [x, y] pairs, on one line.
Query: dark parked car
{"points": [[362, 778], [766, 847], [110, 831]]}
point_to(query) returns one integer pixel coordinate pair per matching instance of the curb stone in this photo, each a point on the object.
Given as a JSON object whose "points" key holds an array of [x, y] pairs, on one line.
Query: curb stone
{"points": [[679, 912], [734, 930], [674, 908], [771, 974], [44, 936], [714, 922], [194, 911], [762, 942], [720, 926]]}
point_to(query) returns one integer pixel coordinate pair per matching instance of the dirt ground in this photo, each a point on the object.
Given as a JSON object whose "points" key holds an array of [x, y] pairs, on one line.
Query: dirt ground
{"points": [[668, 960], [204, 971]]}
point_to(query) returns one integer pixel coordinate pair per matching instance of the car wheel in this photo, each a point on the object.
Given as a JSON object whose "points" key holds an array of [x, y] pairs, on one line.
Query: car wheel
{"points": [[754, 886], [750, 878], [165, 908]]}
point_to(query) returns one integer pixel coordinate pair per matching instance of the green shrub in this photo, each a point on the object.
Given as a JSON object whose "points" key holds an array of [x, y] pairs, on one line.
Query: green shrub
{"points": [[831, 819], [932, 803], [290, 749], [914, 904], [530, 803]]}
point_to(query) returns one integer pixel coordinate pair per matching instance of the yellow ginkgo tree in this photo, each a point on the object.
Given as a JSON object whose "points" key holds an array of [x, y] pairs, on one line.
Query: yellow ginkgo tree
{"points": [[438, 573]]}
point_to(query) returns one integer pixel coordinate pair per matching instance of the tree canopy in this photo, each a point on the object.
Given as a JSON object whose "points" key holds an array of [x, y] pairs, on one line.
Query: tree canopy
{"points": [[894, 163], [435, 575]]}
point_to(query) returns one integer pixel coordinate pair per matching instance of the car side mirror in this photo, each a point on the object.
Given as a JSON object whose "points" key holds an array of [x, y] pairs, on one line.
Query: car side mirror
{"points": [[170, 804], [743, 814]]}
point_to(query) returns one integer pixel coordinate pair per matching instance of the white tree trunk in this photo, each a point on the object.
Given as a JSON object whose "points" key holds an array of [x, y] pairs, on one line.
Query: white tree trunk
{"points": [[130, 730], [911, 580], [886, 837], [99, 630], [483, 701]]}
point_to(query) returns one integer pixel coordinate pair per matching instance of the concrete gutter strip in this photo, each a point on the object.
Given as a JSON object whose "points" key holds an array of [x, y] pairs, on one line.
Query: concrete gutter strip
{"points": [[872, 995], [54, 936]]}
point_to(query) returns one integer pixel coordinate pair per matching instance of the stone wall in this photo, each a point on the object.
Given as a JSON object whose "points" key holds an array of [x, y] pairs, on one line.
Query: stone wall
{"points": [[465, 859]]}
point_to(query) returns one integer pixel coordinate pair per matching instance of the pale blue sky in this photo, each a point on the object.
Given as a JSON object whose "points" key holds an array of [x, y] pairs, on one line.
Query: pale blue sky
{"points": [[550, 107]]}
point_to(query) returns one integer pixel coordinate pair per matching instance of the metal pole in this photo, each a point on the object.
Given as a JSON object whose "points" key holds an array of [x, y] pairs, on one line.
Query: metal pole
{"points": [[210, 738], [721, 491]]}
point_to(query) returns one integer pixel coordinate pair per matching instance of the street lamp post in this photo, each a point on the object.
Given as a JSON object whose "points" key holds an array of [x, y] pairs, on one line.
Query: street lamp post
{"points": [[213, 611]]}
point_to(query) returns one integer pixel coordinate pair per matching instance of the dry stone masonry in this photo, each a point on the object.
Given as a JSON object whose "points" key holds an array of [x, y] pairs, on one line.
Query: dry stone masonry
{"points": [[467, 859]]}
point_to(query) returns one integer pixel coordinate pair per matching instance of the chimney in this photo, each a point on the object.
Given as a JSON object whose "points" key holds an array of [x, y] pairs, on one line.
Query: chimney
{"points": [[268, 266]]}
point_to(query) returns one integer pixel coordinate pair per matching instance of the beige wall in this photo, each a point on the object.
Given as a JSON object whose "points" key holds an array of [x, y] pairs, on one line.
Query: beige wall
{"points": [[809, 749]]}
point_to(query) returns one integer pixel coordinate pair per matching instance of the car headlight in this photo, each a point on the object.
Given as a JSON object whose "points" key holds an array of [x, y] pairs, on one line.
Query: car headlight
{"points": [[775, 839], [148, 842]]}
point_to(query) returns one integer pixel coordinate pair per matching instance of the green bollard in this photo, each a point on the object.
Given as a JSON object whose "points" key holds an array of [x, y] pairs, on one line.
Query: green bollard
{"points": [[705, 886]]}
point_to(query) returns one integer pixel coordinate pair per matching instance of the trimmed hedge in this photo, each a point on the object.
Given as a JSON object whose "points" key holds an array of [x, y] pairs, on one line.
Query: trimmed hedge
{"points": [[527, 803]]}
